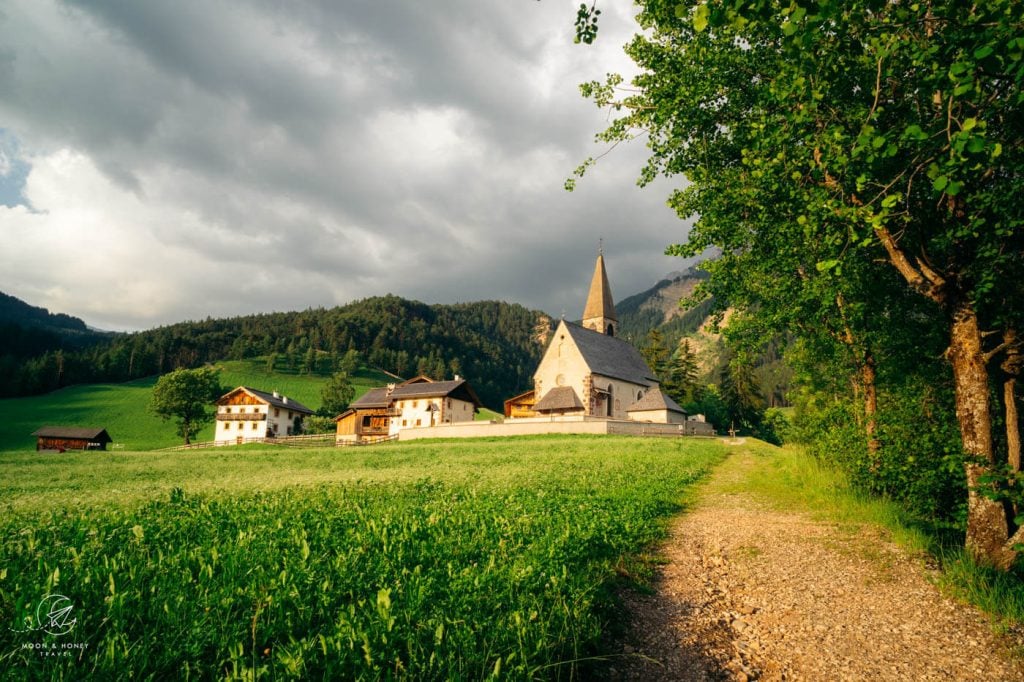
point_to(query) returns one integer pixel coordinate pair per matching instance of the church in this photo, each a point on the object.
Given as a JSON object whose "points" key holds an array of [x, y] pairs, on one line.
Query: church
{"points": [[587, 371]]}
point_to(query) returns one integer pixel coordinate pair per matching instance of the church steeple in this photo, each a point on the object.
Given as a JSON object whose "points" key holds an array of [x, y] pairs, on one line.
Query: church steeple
{"points": [[599, 313]]}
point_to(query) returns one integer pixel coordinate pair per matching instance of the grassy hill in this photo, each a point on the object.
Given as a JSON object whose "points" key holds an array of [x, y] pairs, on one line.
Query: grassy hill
{"points": [[123, 409]]}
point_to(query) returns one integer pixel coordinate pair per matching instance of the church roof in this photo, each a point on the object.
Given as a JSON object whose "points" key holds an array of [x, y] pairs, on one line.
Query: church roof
{"points": [[610, 356], [654, 399], [599, 300], [559, 399]]}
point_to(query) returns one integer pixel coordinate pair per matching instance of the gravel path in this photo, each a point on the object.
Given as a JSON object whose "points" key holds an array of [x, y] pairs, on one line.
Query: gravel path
{"points": [[754, 593]]}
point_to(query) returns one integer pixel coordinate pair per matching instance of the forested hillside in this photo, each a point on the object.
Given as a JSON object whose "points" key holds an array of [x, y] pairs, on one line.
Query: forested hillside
{"points": [[487, 342], [28, 331]]}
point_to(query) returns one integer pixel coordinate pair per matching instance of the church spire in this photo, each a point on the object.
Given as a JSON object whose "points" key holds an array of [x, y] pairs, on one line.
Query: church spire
{"points": [[599, 313]]}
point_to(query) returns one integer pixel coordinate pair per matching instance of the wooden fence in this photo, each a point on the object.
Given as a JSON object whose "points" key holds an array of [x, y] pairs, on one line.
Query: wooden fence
{"points": [[310, 440]]}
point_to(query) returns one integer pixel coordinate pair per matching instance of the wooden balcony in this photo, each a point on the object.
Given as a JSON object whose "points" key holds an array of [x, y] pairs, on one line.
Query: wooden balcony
{"points": [[240, 417]]}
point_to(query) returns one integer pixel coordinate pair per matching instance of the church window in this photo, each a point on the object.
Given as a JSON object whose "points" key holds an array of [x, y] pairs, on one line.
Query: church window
{"points": [[639, 395], [560, 380], [611, 330], [609, 400]]}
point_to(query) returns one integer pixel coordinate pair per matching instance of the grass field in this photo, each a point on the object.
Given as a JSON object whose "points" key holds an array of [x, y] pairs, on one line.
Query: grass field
{"points": [[428, 560], [123, 409]]}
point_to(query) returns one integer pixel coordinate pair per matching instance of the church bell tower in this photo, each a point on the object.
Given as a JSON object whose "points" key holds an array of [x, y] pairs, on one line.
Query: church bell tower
{"points": [[599, 313]]}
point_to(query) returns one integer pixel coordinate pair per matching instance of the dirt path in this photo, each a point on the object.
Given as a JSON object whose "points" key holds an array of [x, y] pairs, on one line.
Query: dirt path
{"points": [[754, 593]]}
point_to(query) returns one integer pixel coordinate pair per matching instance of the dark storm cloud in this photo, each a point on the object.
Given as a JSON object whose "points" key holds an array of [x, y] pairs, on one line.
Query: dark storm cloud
{"points": [[263, 156]]}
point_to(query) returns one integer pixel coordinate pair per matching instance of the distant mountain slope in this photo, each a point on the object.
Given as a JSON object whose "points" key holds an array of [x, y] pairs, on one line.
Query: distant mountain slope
{"points": [[658, 307], [15, 310], [27, 331], [488, 342]]}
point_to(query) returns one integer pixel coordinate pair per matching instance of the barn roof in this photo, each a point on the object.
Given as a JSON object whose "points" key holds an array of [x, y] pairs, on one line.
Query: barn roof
{"points": [[610, 356], [89, 433], [654, 399], [559, 399]]}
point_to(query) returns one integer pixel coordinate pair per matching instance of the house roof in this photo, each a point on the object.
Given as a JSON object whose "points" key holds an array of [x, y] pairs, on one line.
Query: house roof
{"points": [[654, 399], [77, 432], [271, 399], [456, 388], [375, 397], [558, 399], [610, 356]]}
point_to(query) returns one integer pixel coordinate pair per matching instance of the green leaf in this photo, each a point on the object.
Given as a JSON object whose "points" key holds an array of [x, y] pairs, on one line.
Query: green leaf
{"points": [[940, 182], [700, 18], [983, 51], [824, 265], [914, 132], [969, 124], [798, 14], [890, 200]]}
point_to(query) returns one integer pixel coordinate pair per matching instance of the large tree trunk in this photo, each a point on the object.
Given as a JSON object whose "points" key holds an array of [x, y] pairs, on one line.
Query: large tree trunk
{"points": [[1012, 366], [987, 524], [867, 374]]}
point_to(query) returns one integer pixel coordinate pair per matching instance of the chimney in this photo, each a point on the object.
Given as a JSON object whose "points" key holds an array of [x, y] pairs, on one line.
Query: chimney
{"points": [[276, 394], [458, 378], [391, 389], [284, 399]]}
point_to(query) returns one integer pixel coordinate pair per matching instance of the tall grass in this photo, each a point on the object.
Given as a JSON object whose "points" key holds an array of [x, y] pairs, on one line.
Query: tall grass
{"points": [[475, 560]]}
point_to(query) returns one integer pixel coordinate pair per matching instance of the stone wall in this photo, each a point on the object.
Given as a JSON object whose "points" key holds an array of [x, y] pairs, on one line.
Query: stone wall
{"points": [[541, 425]]}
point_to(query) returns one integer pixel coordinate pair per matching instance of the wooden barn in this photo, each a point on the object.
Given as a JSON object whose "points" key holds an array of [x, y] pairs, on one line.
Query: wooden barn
{"points": [[61, 438], [521, 406]]}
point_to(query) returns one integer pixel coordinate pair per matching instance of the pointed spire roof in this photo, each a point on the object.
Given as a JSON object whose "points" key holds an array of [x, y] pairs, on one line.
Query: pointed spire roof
{"points": [[599, 300]]}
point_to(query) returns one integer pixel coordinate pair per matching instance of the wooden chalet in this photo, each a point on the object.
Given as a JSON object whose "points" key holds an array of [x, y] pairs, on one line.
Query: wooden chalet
{"points": [[384, 411], [61, 438]]}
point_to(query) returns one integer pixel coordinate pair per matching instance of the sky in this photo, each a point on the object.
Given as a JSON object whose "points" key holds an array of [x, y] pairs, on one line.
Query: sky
{"points": [[168, 161]]}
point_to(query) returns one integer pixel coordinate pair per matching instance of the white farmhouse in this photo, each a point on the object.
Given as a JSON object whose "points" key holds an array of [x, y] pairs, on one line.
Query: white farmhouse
{"points": [[246, 414]]}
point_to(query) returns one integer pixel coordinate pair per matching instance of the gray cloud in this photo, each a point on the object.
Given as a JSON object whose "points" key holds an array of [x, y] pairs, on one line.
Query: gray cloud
{"points": [[220, 159]]}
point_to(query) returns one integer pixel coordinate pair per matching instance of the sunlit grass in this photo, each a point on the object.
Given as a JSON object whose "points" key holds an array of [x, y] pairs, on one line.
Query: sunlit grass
{"points": [[427, 560]]}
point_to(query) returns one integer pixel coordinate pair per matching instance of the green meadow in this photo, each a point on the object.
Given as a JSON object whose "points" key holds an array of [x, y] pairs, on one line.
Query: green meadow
{"points": [[471, 559], [123, 409]]}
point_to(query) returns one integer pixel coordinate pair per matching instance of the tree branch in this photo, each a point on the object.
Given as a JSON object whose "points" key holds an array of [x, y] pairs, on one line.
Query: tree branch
{"points": [[915, 279]]}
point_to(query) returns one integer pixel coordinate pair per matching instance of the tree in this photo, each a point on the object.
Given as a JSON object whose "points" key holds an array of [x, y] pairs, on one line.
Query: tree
{"points": [[655, 353], [350, 362], [185, 395], [336, 394], [682, 380], [857, 131]]}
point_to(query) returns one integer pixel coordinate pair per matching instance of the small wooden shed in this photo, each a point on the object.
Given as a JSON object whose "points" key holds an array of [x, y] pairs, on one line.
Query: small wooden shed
{"points": [[62, 438]]}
